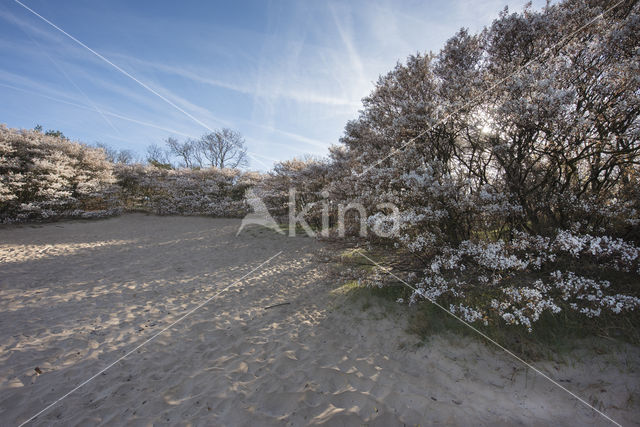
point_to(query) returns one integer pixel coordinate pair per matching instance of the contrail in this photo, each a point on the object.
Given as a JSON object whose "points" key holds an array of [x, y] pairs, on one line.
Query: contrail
{"points": [[115, 66], [59, 67], [108, 113]]}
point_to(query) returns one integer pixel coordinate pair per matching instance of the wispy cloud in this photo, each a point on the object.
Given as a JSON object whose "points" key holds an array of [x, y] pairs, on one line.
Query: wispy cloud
{"points": [[297, 137], [144, 85], [287, 74], [269, 91], [42, 94], [74, 84], [346, 35]]}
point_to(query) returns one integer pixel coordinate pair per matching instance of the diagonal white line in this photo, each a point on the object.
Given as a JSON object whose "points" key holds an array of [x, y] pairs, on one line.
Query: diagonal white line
{"points": [[115, 66], [66, 75], [395, 151], [252, 155], [148, 340], [87, 107], [119, 116], [581, 400]]}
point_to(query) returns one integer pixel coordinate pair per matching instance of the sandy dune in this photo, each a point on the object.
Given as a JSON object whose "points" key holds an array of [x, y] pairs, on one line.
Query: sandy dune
{"points": [[76, 296]]}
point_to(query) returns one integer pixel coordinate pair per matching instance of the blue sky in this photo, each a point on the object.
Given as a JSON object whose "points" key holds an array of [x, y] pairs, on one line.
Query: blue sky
{"points": [[287, 74]]}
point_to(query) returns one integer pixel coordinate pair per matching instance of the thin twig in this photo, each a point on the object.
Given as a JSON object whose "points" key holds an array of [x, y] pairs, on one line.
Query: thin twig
{"points": [[277, 305]]}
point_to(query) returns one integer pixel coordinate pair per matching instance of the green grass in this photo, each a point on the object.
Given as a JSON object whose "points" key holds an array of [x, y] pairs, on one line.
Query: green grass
{"points": [[353, 290], [379, 302]]}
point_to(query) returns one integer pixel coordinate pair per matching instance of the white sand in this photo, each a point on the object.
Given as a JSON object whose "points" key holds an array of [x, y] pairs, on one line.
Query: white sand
{"points": [[75, 296]]}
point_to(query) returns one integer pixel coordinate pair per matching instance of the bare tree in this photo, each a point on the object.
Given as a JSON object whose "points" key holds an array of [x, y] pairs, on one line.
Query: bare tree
{"points": [[224, 148], [118, 156], [126, 157], [196, 152], [158, 155], [187, 151]]}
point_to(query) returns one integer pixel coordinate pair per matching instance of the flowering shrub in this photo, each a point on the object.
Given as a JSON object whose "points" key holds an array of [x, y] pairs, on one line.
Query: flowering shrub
{"points": [[482, 280], [212, 191], [309, 177], [44, 176], [504, 174]]}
